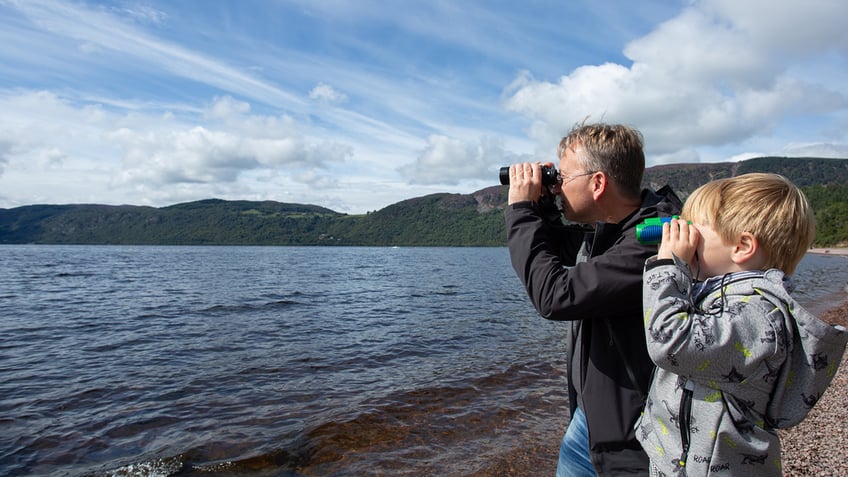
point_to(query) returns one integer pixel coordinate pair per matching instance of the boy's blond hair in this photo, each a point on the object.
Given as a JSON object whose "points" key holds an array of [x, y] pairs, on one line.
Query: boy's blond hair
{"points": [[768, 206]]}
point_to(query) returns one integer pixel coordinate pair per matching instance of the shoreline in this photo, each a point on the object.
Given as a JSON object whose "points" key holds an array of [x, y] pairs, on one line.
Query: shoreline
{"points": [[829, 251]]}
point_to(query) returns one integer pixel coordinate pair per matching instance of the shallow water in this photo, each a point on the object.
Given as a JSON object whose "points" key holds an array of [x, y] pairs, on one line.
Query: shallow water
{"points": [[271, 360]]}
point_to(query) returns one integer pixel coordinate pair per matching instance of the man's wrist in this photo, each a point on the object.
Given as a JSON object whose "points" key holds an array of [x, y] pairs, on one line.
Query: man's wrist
{"points": [[522, 204]]}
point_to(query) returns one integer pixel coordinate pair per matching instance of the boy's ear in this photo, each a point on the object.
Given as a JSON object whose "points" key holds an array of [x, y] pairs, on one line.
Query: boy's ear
{"points": [[746, 248]]}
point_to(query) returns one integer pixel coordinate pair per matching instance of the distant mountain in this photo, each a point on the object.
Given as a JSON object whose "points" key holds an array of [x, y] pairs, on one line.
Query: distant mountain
{"points": [[685, 178], [434, 220]]}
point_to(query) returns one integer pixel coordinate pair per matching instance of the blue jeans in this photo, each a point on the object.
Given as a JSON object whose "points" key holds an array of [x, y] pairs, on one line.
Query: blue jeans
{"points": [[574, 460]]}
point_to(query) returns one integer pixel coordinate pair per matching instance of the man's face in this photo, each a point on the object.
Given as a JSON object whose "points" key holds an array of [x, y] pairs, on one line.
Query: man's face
{"points": [[575, 189]]}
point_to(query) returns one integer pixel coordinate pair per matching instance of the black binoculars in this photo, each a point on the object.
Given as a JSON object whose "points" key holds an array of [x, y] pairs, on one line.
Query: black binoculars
{"points": [[550, 176]]}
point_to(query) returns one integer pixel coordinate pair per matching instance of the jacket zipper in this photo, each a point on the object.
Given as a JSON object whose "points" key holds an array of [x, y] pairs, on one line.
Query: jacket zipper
{"points": [[684, 416]]}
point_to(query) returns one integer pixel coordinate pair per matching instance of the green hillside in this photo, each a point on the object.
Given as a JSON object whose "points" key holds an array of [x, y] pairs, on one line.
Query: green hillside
{"points": [[804, 172], [434, 220]]}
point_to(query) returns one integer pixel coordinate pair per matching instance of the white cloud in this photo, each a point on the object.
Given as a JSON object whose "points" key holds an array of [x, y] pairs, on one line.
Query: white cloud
{"points": [[221, 151], [452, 161], [5, 152], [714, 75], [831, 150], [131, 150], [142, 14], [227, 107], [39, 125], [744, 156], [797, 29], [326, 93]]}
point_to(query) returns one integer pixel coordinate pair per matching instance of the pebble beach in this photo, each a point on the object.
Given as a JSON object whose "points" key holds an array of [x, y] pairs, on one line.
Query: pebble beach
{"points": [[816, 447]]}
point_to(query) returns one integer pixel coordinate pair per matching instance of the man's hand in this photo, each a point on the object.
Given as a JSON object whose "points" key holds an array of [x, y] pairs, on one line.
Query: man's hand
{"points": [[525, 182]]}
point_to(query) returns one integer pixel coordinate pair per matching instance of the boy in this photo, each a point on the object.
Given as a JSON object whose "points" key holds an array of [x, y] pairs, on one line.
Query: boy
{"points": [[737, 357]]}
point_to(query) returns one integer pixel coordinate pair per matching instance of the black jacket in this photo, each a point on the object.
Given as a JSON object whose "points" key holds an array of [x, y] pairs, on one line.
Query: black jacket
{"points": [[593, 278]]}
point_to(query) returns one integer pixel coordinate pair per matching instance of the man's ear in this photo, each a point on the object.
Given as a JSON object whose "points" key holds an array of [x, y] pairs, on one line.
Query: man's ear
{"points": [[599, 184], [746, 248]]}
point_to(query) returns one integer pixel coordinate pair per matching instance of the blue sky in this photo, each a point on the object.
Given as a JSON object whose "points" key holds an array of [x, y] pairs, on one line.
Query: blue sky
{"points": [[356, 105]]}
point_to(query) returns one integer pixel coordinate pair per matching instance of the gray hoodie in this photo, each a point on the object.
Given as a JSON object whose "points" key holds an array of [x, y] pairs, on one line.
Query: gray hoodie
{"points": [[737, 358]]}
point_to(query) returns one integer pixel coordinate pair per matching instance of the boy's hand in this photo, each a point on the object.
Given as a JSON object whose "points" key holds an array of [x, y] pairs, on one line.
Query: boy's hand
{"points": [[679, 238]]}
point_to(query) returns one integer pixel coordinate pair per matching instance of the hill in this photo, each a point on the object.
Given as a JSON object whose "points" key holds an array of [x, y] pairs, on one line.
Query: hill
{"points": [[804, 172], [434, 220]]}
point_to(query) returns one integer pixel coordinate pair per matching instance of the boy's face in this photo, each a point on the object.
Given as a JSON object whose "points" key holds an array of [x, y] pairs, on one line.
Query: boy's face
{"points": [[713, 257]]}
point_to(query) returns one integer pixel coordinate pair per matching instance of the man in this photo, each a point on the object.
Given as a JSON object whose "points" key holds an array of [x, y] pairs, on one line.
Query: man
{"points": [[590, 273]]}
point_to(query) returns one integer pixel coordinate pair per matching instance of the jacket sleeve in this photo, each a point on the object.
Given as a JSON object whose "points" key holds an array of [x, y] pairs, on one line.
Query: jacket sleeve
{"points": [[723, 344], [543, 258]]}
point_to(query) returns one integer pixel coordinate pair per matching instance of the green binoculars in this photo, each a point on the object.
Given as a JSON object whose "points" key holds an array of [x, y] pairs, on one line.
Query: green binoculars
{"points": [[649, 232]]}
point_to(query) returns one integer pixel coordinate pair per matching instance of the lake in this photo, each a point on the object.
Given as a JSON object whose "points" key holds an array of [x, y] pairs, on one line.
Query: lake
{"points": [[121, 360]]}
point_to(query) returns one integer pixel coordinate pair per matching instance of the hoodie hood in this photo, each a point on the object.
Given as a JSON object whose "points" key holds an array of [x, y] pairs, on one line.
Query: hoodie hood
{"points": [[814, 352]]}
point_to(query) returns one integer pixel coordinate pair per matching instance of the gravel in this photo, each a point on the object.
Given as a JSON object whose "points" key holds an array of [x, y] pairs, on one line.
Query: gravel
{"points": [[816, 447]]}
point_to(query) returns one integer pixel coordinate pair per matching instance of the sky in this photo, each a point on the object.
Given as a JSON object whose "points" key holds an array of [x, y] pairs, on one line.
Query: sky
{"points": [[356, 105]]}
